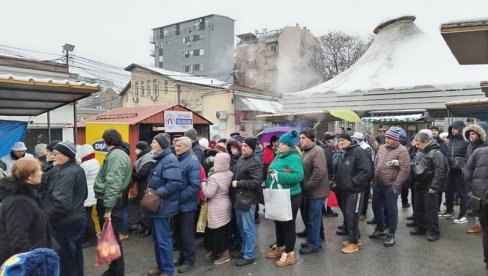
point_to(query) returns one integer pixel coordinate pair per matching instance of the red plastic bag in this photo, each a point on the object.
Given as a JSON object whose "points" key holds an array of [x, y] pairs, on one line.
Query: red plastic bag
{"points": [[107, 249], [332, 200]]}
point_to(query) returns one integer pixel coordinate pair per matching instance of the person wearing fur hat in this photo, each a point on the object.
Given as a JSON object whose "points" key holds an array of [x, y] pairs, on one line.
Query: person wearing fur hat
{"points": [[23, 225], [286, 170], [112, 179], [456, 154], [64, 206], [91, 167], [476, 135], [17, 151], [247, 184]]}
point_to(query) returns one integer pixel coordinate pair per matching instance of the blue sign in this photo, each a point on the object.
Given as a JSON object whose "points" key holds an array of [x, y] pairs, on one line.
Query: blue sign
{"points": [[99, 146]]}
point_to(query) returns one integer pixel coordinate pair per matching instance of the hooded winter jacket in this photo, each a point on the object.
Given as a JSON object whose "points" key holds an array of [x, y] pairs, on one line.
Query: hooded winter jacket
{"points": [[216, 190], [476, 172], [289, 169], [434, 166], [480, 129], [233, 158], [457, 145], [354, 169]]}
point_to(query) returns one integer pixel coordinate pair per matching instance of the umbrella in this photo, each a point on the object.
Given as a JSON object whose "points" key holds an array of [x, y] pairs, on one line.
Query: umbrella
{"points": [[265, 135], [346, 115]]}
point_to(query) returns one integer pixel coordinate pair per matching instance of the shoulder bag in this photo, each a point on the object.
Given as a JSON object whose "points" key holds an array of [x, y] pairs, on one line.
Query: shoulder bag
{"points": [[150, 201]]}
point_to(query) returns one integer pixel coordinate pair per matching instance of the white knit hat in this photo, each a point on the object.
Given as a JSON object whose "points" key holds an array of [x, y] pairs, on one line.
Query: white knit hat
{"points": [[203, 142]]}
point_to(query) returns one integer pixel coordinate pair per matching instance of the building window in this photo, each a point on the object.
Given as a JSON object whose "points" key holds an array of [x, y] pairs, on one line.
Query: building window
{"points": [[166, 85], [160, 51], [142, 88], [177, 29], [198, 52], [188, 54], [148, 91], [197, 67], [162, 33], [201, 24], [196, 38], [156, 87], [274, 48], [187, 69], [186, 39]]}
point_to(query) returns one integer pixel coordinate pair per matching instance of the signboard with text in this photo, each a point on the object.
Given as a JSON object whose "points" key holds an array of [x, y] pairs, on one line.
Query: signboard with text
{"points": [[177, 121]]}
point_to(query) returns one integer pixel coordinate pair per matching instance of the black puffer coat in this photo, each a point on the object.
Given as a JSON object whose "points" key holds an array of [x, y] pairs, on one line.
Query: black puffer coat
{"points": [[435, 167], [480, 129], [476, 172], [23, 225], [354, 170], [457, 145], [249, 175]]}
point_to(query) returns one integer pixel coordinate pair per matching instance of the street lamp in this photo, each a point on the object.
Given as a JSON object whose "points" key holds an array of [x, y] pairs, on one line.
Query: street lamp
{"points": [[68, 48]]}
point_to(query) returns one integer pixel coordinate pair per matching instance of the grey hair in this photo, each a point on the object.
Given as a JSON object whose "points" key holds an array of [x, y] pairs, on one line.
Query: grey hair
{"points": [[422, 137], [185, 141], [427, 131], [40, 150]]}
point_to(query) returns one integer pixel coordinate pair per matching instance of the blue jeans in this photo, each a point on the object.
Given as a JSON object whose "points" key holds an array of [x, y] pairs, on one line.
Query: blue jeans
{"points": [[314, 211], [384, 196], [70, 253], [247, 231], [163, 244], [124, 218]]}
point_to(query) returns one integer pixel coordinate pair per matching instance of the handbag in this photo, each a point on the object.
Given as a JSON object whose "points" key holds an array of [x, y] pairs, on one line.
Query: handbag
{"points": [[150, 201], [202, 218], [244, 199], [277, 202]]}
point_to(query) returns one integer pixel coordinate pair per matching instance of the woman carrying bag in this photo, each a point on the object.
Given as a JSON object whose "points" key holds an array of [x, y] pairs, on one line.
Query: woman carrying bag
{"points": [[287, 171]]}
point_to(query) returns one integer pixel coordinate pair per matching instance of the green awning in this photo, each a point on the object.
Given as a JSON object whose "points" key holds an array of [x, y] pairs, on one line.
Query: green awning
{"points": [[394, 118]]}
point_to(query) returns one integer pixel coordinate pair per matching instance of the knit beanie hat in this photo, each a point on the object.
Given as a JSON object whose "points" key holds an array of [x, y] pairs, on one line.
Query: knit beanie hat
{"points": [[162, 140], [434, 127], [203, 142], [290, 138], [345, 135], [142, 145], [393, 133], [251, 142], [85, 150], [310, 133], [191, 133], [67, 148], [51, 145], [38, 262]]}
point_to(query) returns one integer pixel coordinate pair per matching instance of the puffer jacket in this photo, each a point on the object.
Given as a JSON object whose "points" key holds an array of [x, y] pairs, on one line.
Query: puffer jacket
{"points": [[113, 178], [289, 169], [66, 194], [457, 145], [316, 178], [354, 169], [23, 224], [216, 190], [190, 174], [392, 175], [166, 180], [435, 167], [249, 175], [476, 172], [91, 168], [481, 130]]}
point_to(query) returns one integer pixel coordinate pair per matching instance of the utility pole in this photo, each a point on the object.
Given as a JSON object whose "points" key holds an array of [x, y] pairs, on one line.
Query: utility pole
{"points": [[69, 48]]}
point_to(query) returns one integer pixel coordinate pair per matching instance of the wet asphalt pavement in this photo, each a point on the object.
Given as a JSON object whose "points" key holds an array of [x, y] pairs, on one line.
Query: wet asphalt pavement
{"points": [[456, 253]]}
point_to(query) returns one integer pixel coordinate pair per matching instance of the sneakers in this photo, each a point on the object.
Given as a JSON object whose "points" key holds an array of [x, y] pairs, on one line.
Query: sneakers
{"points": [[286, 259], [350, 248], [446, 214], [460, 220], [378, 234], [244, 261], [389, 241], [186, 267], [275, 252], [475, 230]]}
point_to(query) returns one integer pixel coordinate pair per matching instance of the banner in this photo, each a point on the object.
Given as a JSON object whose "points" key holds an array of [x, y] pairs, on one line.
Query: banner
{"points": [[11, 132], [177, 121], [94, 134]]}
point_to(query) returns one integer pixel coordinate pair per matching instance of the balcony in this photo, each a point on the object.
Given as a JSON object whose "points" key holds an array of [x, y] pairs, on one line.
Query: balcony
{"points": [[151, 39]]}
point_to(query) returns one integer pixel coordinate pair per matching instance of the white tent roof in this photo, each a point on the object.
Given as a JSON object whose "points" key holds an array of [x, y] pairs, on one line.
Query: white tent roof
{"points": [[403, 57]]}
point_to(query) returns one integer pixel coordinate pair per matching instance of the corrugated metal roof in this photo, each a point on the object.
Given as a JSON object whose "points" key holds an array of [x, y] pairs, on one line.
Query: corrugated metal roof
{"points": [[127, 115]]}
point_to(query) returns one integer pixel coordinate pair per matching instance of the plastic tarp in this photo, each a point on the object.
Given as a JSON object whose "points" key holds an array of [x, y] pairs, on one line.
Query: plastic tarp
{"points": [[11, 132]]}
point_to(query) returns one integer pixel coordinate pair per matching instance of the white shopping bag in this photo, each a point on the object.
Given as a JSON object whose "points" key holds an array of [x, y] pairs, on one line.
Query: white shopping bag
{"points": [[277, 202]]}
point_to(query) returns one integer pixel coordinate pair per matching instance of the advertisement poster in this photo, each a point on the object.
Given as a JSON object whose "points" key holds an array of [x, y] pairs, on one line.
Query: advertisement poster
{"points": [[94, 134], [177, 121]]}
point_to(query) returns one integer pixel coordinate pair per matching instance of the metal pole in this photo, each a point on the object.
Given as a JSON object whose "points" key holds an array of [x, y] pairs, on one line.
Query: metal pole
{"points": [[49, 126], [75, 127], [178, 91]]}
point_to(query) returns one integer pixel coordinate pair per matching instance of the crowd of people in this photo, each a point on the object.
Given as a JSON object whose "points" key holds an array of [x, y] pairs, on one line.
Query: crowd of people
{"points": [[48, 201]]}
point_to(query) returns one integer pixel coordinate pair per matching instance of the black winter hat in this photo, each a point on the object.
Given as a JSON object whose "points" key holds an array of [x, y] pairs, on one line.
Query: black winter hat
{"points": [[345, 135], [142, 145], [310, 133], [162, 140], [435, 127], [251, 142], [67, 148], [51, 145]]}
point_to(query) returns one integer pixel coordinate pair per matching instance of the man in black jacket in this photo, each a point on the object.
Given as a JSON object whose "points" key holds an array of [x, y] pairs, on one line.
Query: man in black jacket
{"points": [[247, 182], [353, 173], [456, 156], [429, 172], [67, 191], [435, 134]]}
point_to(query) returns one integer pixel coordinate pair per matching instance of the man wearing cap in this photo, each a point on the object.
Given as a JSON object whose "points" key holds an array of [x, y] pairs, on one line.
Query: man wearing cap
{"points": [[392, 168], [112, 179], [165, 179], [315, 188], [247, 183], [17, 151], [64, 207], [195, 144]]}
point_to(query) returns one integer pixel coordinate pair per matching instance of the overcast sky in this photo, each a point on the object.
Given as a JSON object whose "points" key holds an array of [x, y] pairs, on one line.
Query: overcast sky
{"points": [[117, 31]]}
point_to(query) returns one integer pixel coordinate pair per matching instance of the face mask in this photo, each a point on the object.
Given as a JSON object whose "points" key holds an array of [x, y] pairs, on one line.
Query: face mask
{"points": [[234, 151]]}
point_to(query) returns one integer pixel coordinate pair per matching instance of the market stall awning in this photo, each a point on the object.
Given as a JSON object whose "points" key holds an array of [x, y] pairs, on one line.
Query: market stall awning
{"points": [[468, 41], [258, 105], [394, 118], [27, 96], [315, 116], [470, 108]]}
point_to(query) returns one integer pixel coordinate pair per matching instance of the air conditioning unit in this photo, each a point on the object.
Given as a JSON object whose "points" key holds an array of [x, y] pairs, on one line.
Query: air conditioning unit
{"points": [[153, 98], [221, 114]]}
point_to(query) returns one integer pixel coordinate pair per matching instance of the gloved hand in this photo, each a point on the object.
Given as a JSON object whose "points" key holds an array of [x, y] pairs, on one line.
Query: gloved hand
{"points": [[393, 163]]}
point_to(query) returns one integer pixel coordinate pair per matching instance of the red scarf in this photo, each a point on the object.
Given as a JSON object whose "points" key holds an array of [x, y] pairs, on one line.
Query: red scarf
{"points": [[88, 157]]}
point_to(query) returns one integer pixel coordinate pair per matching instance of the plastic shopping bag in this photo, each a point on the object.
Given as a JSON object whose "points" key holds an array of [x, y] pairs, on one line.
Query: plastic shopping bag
{"points": [[107, 249], [277, 203], [202, 218]]}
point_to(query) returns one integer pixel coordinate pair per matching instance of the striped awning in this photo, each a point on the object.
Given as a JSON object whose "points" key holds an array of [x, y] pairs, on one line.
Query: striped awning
{"points": [[394, 118]]}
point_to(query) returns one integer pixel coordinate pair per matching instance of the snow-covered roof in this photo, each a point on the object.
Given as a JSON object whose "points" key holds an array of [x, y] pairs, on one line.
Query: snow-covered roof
{"points": [[403, 57], [184, 77], [47, 81], [253, 104]]}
